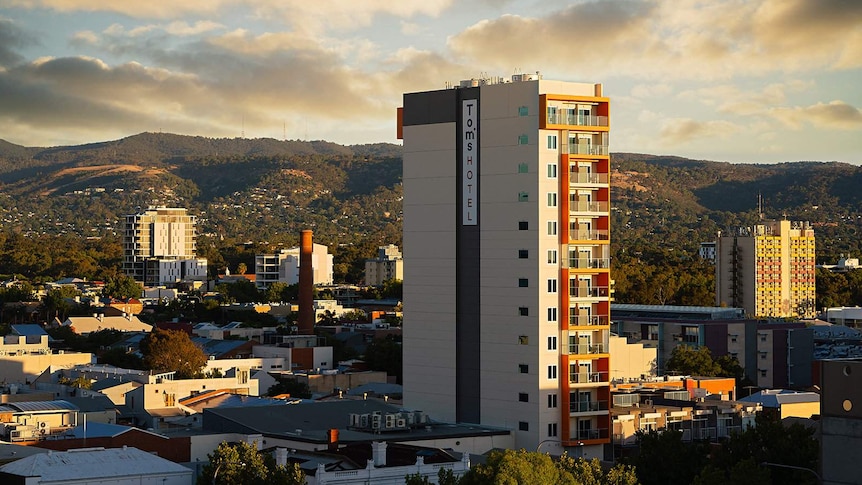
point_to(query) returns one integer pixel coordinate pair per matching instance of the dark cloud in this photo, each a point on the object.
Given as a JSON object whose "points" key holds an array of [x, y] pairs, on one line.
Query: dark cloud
{"points": [[12, 38]]}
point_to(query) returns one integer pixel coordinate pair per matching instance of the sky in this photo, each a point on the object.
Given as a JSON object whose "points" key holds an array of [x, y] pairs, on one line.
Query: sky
{"points": [[729, 80]]}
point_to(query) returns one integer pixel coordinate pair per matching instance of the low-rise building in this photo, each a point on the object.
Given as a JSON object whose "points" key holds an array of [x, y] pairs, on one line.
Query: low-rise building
{"points": [[97, 322], [86, 466]]}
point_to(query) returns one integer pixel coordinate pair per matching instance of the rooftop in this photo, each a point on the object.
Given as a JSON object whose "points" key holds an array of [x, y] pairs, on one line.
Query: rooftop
{"points": [[92, 463]]}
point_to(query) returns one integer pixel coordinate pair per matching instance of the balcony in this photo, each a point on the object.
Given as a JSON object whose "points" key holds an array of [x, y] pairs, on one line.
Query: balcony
{"points": [[587, 149], [588, 178], [586, 349], [590, 434], [588, 406], [589, 291], [562, 118], [589, 263], [588, 378], [588, 320], [599, 235], [588, 206]]}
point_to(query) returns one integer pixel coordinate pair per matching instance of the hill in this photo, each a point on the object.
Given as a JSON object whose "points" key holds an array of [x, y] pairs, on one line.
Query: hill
{"points": [[258, 193]]}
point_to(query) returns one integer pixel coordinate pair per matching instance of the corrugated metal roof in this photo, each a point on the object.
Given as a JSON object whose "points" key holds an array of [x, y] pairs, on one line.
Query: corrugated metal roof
{"points": [[93, 464], [36, 406]]}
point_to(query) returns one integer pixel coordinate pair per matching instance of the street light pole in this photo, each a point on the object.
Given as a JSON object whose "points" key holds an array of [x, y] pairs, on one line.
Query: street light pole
{"points": [[794, 467], [215, 473]]}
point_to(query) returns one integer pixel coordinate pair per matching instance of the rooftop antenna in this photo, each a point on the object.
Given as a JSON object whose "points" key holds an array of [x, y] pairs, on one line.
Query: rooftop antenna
{"points": [[760, 205]]}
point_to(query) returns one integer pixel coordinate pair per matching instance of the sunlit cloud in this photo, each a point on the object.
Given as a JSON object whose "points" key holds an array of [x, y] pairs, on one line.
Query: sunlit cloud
{"points": [[833, 115]]}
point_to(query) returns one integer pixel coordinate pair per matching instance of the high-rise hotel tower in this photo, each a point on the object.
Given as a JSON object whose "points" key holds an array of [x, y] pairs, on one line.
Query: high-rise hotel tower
{"points": [[506, 249]]}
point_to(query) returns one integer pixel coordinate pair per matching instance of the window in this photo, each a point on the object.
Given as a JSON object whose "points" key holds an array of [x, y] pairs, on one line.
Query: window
{"points": [[523, 368], [552, 142], [552, 170], [523, 111], [552, 199], [523, 140], [763, 373], [552, 314], [552, 228], [552, 400], [523, 197], [523, 311], [523, 426], [552, 429], [523, 283], [523, 168], [523, 340], [552, 256], [552, 343], [552, 372], [552, 285], [523, 254], [523, 226], [523, 397]]}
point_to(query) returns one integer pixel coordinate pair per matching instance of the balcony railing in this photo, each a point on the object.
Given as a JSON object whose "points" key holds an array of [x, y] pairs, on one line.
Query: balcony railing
{"points": [[582, 263], [588, 178], [588, 320], [587, 406], [588, 206], [703, 433], [590, 434], [585, 349], [588, 291], [562, 118], [599, 235], [587, 149], [727, 431], [588, 377]]}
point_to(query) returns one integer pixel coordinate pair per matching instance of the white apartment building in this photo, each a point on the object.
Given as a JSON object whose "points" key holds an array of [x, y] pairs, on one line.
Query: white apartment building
{"points": [[388, 265], [159, 247], [506, 238], [283, 266]]}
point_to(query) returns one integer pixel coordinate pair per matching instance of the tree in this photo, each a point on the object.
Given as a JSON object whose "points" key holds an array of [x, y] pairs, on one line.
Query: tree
{"points": [[688, 360], [770, 441], [242, 464], [122, 287], [590, 472], [172, 350], [290, 386], [510, 467], [386, 355], [241, 268], [664, 459]]}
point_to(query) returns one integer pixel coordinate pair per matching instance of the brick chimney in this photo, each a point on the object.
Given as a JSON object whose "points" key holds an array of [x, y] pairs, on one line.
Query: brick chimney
{"points": [[306, 284]]}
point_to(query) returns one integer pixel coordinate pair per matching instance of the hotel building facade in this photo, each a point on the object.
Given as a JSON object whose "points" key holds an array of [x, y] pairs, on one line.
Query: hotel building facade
{"points": [[767, 269], [507, 272]]}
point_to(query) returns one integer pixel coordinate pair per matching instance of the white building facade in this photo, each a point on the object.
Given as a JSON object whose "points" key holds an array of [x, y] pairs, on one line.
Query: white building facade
{"points": [[159, 247], [506, 243], [388, 265], [283, 267]]}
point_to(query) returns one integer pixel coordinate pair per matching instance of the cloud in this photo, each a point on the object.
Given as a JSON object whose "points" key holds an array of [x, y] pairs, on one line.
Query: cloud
{"points": [[12, 37], [300, 15], [670, 40], [683, 130], [833, 115], [731, 99]]}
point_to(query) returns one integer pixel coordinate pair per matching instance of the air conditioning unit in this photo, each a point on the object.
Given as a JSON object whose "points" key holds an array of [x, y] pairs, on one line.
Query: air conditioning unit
{"points": [[390, 421], [376, 420], [401, 423], [363, 421]]}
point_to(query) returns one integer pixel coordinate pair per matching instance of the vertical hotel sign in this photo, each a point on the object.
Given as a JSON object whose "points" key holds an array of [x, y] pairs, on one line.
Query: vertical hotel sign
{"points": [[469, 159]]}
